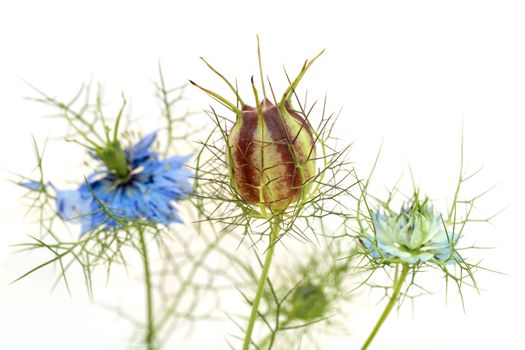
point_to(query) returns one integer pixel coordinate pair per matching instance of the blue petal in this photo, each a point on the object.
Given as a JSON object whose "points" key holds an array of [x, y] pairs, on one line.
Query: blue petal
{"points": [[140, 153], [175, 190], [72, 205], [32, 185], [378, 220], [176, 162], [368, 243]]}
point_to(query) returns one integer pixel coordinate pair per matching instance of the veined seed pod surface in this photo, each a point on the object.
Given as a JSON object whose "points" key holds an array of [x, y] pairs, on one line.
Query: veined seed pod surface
{"points": [[272, 155]]}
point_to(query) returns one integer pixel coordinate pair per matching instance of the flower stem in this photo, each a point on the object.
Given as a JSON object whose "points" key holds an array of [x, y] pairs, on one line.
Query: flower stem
{"points": [[150, 333], [398, 283], [262, 281]]}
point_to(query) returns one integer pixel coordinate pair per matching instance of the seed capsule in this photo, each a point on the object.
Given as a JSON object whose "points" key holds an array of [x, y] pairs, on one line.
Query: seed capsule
{"points": [[272, 155], [271, 147]]}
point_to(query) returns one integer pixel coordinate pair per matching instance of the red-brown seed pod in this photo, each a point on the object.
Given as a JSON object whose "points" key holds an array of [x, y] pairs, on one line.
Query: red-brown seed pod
{"points": [[270, 148], [272, 155]]}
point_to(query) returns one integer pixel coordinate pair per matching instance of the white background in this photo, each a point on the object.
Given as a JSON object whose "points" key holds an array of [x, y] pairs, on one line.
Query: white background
{"points": [[407, 73]]}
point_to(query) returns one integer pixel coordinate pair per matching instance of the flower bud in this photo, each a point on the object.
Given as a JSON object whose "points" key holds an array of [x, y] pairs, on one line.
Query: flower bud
{"points": [[272, 155]]}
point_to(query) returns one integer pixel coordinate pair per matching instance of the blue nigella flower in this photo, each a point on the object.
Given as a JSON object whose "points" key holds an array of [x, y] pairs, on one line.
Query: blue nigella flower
{"points": [[148, 191], [416, 234]]}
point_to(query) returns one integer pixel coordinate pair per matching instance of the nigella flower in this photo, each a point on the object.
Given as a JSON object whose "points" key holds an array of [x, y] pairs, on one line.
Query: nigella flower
{"points": [[415, 234], [134, 184]]}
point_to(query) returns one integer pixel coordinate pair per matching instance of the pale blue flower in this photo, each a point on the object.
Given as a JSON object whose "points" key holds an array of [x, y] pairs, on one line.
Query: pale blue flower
{"points": [[416, 234]]}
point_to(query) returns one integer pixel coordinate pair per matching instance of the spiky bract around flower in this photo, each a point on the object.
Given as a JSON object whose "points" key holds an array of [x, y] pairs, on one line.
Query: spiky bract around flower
{"points": [[417, 237], [124, 205], [304, 300], [130, 187], [271, 149], [273, 160], [147, 192]]}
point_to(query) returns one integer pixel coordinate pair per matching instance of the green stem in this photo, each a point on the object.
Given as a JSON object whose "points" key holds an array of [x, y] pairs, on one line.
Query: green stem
{"points": [[150, 335], [262, 281], [398, 283]]}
